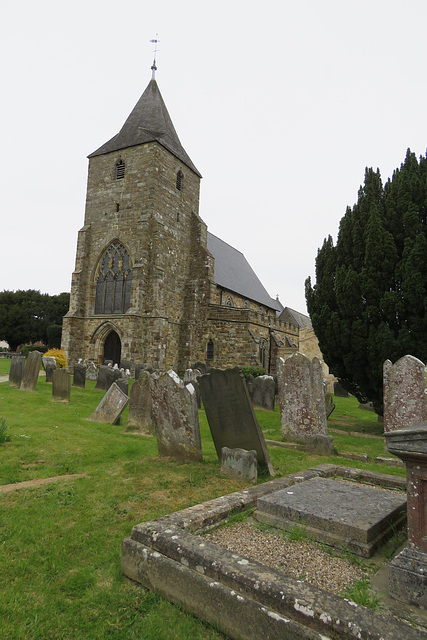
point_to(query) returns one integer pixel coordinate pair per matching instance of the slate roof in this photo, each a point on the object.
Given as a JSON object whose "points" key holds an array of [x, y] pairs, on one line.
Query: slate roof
{"points": [[299, 319], [233, 272], [149, 121]]}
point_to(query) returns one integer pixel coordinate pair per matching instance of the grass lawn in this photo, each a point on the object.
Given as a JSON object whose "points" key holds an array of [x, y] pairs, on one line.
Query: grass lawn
{"points": [[60, 543]]}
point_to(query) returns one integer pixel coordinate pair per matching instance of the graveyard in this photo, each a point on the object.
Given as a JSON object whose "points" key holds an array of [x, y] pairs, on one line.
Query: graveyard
{"points": [[95, 487]]}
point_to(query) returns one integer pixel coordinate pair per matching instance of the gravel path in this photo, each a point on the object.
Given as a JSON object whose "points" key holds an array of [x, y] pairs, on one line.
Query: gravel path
{"points": [[303, 560]]}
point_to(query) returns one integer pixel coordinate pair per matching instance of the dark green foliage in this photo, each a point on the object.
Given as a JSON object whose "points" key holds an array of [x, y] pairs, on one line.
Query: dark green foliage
{"points": [[253, 371], [54, 334], [369, 302], [26, 315]]}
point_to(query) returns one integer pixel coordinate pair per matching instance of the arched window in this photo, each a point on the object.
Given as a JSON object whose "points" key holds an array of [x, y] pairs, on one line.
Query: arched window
{"points": [[210, 350], [229, 302], [263, 349], [246, 304], [113, 280], [179, 180], [120, 169]]}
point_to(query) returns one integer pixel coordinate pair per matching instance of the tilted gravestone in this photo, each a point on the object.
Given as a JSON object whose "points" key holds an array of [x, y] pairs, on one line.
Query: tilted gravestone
{"points": [[61, 384], [262, 391], [405, 393], [91, 371], [16, 372], [79, 377], [140, 406], [302, 398], [111, 406], [31, 371], [230, 414], [175, 416], [239, 463], [49, 368]]}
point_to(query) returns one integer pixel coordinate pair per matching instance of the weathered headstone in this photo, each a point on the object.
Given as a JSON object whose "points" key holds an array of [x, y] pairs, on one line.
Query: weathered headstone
{"points": [[61, 384], [200, 366], [111, 406], [175, 416], [79, 377], [101, 381], [123, 384], [48, 360], [302, 399], [142, 367], [405, 393], [140, 406], [191, 376], [16, 372], [91, 371], [408, 570], [230, 414], [262, 391], [340, 391], [49, 368], [320, 445], [108, 363], [239, 463], [31, 371]]}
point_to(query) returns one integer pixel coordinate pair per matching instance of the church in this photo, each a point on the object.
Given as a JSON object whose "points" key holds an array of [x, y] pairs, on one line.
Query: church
{"points": [[151, 284]]}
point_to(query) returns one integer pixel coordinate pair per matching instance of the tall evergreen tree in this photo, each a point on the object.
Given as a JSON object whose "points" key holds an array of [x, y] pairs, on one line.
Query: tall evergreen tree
{"points": [[369, 302]]}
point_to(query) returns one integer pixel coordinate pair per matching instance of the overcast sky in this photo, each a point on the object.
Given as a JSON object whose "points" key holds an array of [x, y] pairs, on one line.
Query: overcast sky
{"points": [[281, 105]]}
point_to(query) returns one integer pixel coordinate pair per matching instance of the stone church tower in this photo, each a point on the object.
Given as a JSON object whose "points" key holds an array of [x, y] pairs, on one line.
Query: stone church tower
{"points": [[151, 284], [142, 268]]}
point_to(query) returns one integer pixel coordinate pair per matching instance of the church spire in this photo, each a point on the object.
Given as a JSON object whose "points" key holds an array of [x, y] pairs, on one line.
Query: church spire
{"points": [[154, 66]]}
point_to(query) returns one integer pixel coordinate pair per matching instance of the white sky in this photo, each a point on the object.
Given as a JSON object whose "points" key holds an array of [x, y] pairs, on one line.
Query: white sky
{"points": [[281, 105]]}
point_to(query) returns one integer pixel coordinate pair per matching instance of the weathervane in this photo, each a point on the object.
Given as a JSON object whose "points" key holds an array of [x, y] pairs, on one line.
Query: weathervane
{"points": [[153, 66]]}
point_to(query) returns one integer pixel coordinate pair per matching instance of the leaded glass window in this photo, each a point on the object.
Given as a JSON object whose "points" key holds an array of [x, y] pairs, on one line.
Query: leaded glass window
{"points": [[114, 280]]}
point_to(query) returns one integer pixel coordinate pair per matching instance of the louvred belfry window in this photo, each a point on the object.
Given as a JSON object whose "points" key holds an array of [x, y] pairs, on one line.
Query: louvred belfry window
{"points": [[113, 280], [120, 170]]}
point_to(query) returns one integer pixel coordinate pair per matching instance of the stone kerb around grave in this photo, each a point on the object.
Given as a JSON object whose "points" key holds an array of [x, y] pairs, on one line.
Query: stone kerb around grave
{"points": [[405, 393], [301, 398]]}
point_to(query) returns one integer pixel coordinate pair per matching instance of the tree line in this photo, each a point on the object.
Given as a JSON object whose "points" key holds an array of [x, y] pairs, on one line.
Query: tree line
{"points": [[31, 316]]}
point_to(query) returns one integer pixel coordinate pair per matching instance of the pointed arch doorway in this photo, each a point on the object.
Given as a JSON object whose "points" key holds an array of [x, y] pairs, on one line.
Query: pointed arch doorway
{"points": [[112, 348]]}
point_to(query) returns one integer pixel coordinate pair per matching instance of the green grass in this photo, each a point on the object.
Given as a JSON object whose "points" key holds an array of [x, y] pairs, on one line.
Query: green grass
{"points": [[4, 366], [360, 593], [348, 417], [60, 543]]}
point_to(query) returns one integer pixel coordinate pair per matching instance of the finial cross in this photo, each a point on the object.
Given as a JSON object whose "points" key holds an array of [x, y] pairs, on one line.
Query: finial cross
{"points": [[155, 41]]}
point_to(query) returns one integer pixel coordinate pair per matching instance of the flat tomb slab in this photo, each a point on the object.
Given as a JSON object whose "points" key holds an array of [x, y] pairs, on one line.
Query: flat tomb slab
{"points": [[338, 513]]}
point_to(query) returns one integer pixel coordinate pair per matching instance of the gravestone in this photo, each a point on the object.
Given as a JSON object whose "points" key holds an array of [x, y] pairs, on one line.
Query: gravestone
{"points": [[142, 367], [175, 417], [405, 393], [191, 376], [123, 384], [340, 391], [408, 570], [230, 414], [16, 372], [91, 371], [111, 406], [329, 404], [262, 391], [302, 398], [61, 384], [108, 363], [101, 381], [337, 513], [239, 463], [49, 368], [200, 366], [140, 406], [320, 445], [48, 360], [125, 364], [79, 377], [31, 371]]}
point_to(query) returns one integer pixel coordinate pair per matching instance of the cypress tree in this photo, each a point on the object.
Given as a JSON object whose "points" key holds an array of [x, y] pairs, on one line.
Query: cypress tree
{"points": [[369, 302]]}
